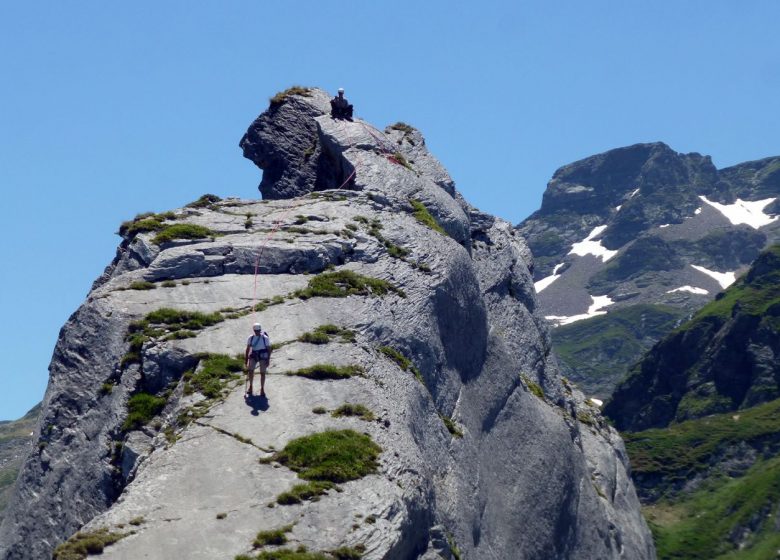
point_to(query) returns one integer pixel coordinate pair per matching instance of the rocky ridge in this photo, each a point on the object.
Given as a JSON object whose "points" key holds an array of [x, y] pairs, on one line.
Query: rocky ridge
{"points": [[648, 233], [485, 451]]}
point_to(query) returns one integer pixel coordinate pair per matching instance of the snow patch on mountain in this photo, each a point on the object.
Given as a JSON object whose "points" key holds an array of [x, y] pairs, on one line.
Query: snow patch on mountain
{"points": [[745, 211], [590, 247], [664, 225], [546, 281], [633, 194], [598, 303], [725, 279], [691, 289]]}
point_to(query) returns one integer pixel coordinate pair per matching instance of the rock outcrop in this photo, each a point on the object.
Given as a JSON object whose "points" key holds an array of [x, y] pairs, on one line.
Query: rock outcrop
{"points": [[390, 292], [649, 234]]}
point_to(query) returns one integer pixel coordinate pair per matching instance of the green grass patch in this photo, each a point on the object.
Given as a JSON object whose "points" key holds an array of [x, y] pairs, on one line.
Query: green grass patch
{"points": [[142, 285], [308, 492], [333, 456], [168, 284], [289, 554], [182, 231], [451, 426], [403, 362], [422, 215], [533, 386], [403, 127], [319, 410], [141, 408], [328, 371], [348, 552], [143, 223], [324, 334], [282, 96], [399, 157], [80, 545], [275, 537], [345, 283], [205, 201], [349, 409], [213, 372], [192, 320]]}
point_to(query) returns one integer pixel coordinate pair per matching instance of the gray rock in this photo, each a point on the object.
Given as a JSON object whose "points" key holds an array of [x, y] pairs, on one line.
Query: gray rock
{"points": [[517, 478]]}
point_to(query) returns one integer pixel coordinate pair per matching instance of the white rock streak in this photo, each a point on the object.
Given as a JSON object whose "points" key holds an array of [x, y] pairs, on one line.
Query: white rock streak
{"points": [[618, 207], [633, 194], [596, 308], [691, 289], [589, 247], [547, 280], [597, 402], [697, 211], [725, 279], [745, 211], [664, 225]]}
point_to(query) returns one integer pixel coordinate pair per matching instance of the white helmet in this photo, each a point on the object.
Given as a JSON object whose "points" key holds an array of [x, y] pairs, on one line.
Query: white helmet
{"points": [[341, 90], [257, 327]]}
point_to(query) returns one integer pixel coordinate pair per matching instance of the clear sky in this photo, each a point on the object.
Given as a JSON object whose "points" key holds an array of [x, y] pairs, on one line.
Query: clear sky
{"points": [[108, 109]]}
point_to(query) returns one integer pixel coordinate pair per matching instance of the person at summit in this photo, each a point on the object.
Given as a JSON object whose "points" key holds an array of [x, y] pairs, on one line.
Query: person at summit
{"points": [[340, 108]]}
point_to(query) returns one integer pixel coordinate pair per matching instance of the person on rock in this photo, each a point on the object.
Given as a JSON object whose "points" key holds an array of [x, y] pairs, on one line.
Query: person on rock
{"points": [[340, 108], [258, 353]]}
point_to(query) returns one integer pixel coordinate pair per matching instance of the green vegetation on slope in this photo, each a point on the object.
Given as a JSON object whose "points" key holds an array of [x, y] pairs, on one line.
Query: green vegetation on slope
{"points": [[728, 518], [344, 283], [599, 351], [704, 506], [677, 453], [422, 215]]}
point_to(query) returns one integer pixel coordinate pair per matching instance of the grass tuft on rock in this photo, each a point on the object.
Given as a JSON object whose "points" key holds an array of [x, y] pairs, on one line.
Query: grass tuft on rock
{"points": [[451, 426], [141, 408], [324, 333], [289, 554], [344, 283], [403, 362], [142, 285], [310, 491], [533, 386], [213, 372], [282, 96], [205, 201], [422, 215], [182, 231], [275, 537], [333, 456], [328, 371], [349, 409], [191, 320], [349, 552], [80, 545]]}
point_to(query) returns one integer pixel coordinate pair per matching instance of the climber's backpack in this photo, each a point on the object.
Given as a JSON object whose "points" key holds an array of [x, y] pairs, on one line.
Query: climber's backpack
{"points": [[259, 353]]}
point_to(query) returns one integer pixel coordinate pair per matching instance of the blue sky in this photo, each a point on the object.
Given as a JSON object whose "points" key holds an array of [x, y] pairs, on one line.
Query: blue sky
{"points": [[110, 109]]}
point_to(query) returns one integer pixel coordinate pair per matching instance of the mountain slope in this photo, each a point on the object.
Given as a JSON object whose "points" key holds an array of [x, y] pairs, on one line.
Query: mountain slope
{"points": [[414, 408], [727, 357], [711, 482], [15, 442], [644, 225]]}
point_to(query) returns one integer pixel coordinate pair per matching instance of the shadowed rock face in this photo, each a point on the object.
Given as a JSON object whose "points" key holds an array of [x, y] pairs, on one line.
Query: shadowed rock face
{"points": [[526, 468]]}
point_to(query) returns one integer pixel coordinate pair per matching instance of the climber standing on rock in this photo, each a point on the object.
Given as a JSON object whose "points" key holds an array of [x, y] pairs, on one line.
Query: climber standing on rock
{"points": [[258, 352], [340, 108]]}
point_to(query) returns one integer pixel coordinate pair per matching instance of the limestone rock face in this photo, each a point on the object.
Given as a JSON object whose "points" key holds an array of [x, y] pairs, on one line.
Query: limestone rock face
{"points": [[485, 450]]}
